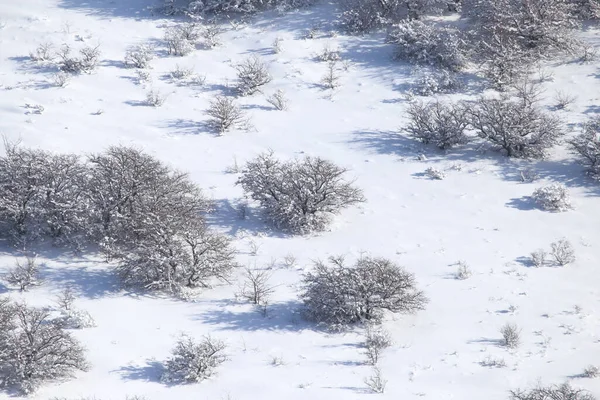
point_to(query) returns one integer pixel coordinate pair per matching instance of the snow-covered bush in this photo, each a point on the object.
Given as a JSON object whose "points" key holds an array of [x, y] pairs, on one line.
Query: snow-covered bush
{"points": [[562, 251], [435, 173], [502, 62], [329, 54], [42, 197], [252, 75], [331, 79], [192, 361], [511, 335], [463, 271], [557, 392], [586, 9], [154, 98], [375, 381], [76, 319], [42, 53], [539, 257], [428, 44], [438, 123], [24, 275], [34, 348], [376, 340], [518, 129], [591, 371], [139, 56], [435, 81], [212, 35], [554, 197], [563, 100], [65, 299], [177, 43], [86, 62], [338, 295], [61, 79], [538, 27], [298, 195], [587, 147], [278, 100], [224, 115]]}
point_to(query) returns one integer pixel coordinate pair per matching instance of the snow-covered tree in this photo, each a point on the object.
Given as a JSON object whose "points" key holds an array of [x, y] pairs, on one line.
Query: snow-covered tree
{"points": [[426, 43], [337, 294], [587, 147], [193, 361], [557, 392], [34, 348], [438, 123], [298, 195], [516, 128], [24, 274], [224, 115]]}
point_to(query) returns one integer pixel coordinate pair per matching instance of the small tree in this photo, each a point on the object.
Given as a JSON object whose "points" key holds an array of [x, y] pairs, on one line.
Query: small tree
{"points": [[439, 123], [66, 298], [376, 340], [554, 197], [252, 75], [587, 147], [299, 195], [193, 362], [34, 349], [256, 287], [224, 115], [518, 129], [562, 251], [24, 275], [339, 295]]}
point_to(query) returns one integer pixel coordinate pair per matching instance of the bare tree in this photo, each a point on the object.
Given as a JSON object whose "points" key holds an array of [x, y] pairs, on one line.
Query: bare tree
{"points": [[376, 340], [24, 275], [224, 115], [299, 195], [193, 362], [331, 79], [256, 287], [339, 295], [518, 129], [34, 349], [439, 123], [66, 298]]}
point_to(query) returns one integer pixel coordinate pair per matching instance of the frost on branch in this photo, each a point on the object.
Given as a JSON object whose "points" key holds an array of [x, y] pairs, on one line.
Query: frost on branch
{"points": [[298, 195], [337, 295], [192, 361], [35, 349]]}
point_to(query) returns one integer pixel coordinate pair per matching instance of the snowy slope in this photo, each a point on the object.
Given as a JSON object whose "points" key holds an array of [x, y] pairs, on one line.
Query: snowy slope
{"points": [[480, 214]]}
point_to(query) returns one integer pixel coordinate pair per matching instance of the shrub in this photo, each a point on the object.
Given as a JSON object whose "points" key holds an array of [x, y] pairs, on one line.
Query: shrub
{"points": [[278, 100], [24, 276], [436, 81], [87, 62], [224, 115], [511, 335], [427, 44], [518, 129], [139, 56], [538, 258], [563, 252], [299, 195], [65, 299], [587, 147], [76, 319], [375, 341], [435, 173], [463, 271], [339, 295], [192, 362], [252, 75], [554, 197], [35, 349], [591, 371], [331, 79], [375, 382], [177, 44], [438, 123], [155, 98], [557, 392], [61, 79], [42, 53]]}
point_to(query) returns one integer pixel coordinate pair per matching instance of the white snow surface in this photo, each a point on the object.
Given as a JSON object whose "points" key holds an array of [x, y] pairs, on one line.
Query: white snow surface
{"points": [[480, 213]]}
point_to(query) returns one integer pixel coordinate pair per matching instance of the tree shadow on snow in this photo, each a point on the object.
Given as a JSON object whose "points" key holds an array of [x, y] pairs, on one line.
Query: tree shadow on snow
{"points": [[524, 203], [137, 9], [487, 341], [280, 317], [86, 281], [150, 372]]}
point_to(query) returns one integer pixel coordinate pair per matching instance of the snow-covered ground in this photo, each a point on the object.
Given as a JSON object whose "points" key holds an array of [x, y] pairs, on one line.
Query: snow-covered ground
{"points": [[479, 213]]}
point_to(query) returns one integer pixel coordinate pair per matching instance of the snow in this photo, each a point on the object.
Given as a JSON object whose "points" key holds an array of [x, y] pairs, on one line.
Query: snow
{"points": [[480, 213]]}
